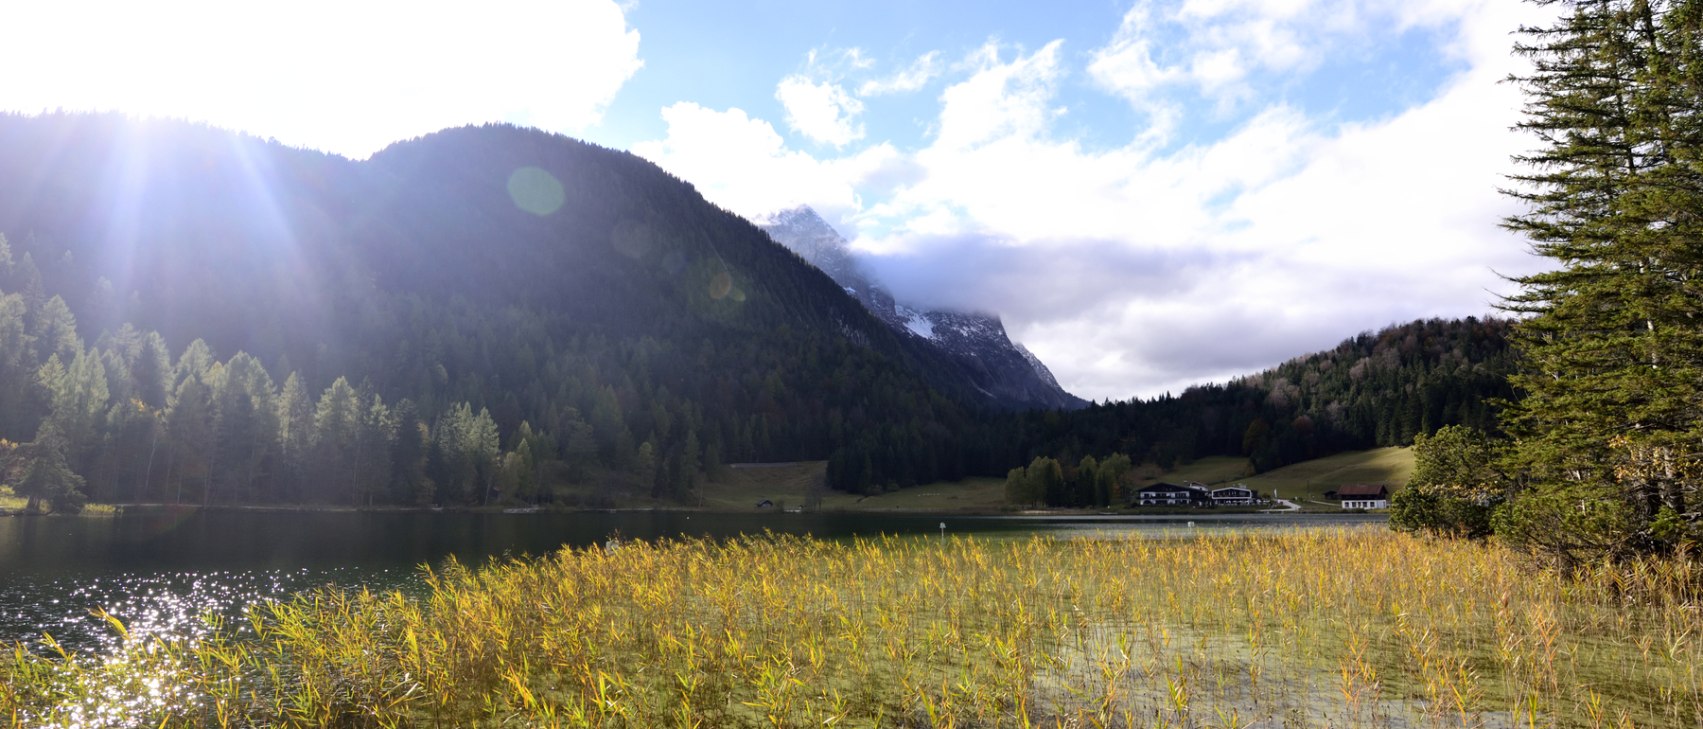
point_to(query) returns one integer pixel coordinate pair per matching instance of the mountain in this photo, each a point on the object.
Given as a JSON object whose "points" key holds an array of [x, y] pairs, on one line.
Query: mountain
{"points": [[1374, 389], [976, 343], [495, 314], [476, 290]]}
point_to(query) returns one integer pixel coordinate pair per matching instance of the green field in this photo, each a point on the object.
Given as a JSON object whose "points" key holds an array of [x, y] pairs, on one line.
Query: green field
{"points": [[788, 485], [1306, 483], [1211, 470]]}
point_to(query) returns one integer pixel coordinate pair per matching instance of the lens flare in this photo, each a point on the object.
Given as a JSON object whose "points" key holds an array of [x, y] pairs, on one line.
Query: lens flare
{"points": [[720, 285], [535, 191]]}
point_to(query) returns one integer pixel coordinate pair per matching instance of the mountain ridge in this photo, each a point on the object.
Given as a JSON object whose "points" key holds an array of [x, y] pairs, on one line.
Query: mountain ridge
{"points": [[977, 342], [577, 293]]}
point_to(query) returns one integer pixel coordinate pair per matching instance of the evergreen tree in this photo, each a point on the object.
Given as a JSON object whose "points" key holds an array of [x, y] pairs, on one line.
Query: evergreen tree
{"points": [[295, 437], [408, 481], [1083, 486], [337, 425], [1455, 485], [375, 444], [470, 450], [17, 370], [647, 468], [686, 478], [45, 476], [80, 398], [245, 427], [151, 371], [1613, 346], [54, 331], [579, 448], [190, 423]]}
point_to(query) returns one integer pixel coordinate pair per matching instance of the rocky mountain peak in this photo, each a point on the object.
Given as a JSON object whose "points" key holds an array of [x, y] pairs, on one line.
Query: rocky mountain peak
{"points": [[1004, 370]]}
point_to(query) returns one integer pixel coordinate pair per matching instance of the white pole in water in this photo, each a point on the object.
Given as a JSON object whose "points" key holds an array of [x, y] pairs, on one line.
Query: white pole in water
{"points": [[942, 532]]}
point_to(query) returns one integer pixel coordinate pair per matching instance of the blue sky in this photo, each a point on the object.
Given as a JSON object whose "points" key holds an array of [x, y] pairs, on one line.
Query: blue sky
{"points": [[732, 57], [1150, 193]]}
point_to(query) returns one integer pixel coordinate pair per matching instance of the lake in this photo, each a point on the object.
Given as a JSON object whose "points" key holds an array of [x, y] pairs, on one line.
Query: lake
{"points": [[161, 570]]}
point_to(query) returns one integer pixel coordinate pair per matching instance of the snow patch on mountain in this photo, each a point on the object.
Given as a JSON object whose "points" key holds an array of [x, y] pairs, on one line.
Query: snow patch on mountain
{"points": [[993, 363], [918, 324], [1040, 369]]}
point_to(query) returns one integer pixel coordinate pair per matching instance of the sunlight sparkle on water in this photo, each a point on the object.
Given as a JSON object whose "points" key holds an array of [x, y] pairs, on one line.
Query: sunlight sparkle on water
{"points": [[152, 604], [152, 607]]}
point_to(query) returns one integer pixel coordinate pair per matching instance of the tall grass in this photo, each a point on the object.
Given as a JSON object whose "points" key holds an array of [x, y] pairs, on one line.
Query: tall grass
{"points": [[1349, 628]]}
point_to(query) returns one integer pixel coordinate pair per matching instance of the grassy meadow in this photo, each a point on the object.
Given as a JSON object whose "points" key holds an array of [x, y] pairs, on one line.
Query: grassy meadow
{"points": [[789, 485], [1306, 482], [1212, 470], [1318, 628]]}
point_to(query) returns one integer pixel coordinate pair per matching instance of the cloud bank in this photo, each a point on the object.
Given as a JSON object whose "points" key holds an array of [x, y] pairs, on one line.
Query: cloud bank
{"points": [[1175, 257]]}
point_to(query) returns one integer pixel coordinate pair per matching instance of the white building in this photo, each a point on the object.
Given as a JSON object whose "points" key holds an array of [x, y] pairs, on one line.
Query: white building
{"points": [[1364, 496], [1237, 495]]}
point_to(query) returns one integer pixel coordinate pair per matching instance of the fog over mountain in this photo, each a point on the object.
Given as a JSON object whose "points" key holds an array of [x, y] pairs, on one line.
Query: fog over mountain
{"points": [[1005, 370]]}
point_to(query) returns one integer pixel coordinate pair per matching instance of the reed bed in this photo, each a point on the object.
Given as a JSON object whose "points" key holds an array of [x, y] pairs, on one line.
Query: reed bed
{"points": [[1322, 628]]}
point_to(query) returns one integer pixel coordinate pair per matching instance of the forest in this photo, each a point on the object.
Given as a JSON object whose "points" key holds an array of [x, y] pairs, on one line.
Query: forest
{"points": [[488, 313], [129, 419], [1375, 389]]}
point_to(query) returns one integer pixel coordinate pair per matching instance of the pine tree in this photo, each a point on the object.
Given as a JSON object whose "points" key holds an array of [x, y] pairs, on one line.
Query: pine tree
{"points": [[337, 425], [647, 468], [1613, 339], [54, 330], [295, 437], [45, 475], [190, 422], [17, 418], [151, 371], [375, 443]]}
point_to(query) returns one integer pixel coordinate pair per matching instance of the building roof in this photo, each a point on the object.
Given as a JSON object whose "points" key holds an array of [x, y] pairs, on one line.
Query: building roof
{"points": [[1363, 490], [1169, 487]]}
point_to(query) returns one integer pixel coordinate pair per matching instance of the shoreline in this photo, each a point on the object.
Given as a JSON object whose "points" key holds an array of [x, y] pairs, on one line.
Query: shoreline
{"points": [[113, 510]]}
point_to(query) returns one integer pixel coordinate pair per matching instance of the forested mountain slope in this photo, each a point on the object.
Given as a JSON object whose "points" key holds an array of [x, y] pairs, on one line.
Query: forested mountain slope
{"points": [[484, 314], [1375, 389], [580, 291]]}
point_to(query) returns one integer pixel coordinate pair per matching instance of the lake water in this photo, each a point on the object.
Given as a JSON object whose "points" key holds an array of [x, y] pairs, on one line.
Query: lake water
{"points": [[161, 570]]}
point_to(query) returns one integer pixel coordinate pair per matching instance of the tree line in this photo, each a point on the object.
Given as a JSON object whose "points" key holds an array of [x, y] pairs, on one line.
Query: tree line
{"points": [[1376, 389], [627, 345], [128, 420]]}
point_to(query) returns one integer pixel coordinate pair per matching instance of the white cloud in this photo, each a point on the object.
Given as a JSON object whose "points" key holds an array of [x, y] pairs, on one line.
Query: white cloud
{"points": [[821, 111], [1145, 267], [741, 163], [1127, 64], [1000, 99], [345, 77], [912, 78], [1222, 50], [1132, 272]]}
